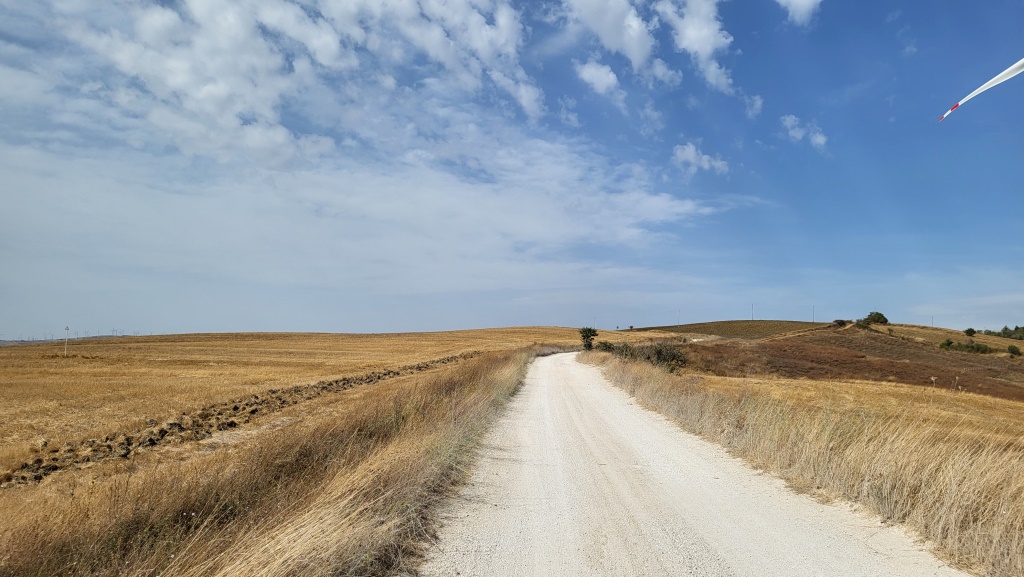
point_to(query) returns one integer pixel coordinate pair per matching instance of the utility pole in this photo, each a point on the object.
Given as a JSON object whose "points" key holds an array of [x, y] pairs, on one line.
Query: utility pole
{"points": [[66, 329], [679, 316], [751, 311], [812, 313]]}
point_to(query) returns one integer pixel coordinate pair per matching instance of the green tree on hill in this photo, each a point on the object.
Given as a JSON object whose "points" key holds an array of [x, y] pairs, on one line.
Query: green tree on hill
{"points": [[587, 335], [873, 318]]}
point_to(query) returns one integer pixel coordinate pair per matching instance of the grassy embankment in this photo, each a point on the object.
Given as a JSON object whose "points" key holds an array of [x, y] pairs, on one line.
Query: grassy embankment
{"points": [[949, 465]]}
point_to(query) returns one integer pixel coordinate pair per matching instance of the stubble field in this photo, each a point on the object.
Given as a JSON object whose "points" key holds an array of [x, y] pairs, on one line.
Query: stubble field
{"points": [[111, 386]]}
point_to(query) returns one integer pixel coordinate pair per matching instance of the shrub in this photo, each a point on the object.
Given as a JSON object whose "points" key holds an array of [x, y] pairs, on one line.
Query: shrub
{"points": [[968, 347], [839, 323], [874, 318], [587, 335], [970, 332], [605, 346], [660, 353], [1008, 333], [1014, 350]]}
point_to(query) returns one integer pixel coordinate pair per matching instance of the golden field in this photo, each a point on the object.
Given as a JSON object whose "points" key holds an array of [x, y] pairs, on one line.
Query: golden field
{"points": [[171, 455], [106, 385], [254, 454], [338, 485]]}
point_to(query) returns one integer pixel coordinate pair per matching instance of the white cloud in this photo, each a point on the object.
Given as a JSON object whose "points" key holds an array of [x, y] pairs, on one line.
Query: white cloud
{"points": [[817, 139], [792, 125], [691, 160], [800, 11], [661, 72], [602, 80], [797, 131], [618, 26], [698, 31], [652, 120], [380, 143], [22, 86], [909, 43], [566, 112], [754, 105], [215, 76]]}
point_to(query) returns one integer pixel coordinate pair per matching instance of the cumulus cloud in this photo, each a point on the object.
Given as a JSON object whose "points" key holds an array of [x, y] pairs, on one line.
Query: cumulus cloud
{"points": [[618, 26], [380, 141], [662, 73], [800, 11], [691, 160], [215, 76], [602, 80], [797, 131], [698, 32]]}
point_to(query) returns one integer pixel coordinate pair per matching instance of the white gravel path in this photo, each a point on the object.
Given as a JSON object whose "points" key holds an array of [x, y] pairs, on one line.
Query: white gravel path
{"points": [[577, 479]]}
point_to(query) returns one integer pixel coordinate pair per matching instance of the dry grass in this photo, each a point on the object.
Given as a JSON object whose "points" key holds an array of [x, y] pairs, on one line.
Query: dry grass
{"points": [[107, 385], [935, 335], [949, 465], [340, 485]]}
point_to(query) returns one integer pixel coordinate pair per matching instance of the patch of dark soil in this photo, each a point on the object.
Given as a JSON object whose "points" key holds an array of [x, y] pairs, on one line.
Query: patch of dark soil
{"points": [[195, 426], [865, 355]]}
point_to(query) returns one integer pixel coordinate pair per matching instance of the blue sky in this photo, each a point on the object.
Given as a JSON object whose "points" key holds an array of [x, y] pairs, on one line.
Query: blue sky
{"points": [[392, 165]]}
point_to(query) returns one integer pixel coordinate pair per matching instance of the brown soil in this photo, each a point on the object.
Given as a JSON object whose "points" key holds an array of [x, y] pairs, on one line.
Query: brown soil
{"points": [[852, 353]]}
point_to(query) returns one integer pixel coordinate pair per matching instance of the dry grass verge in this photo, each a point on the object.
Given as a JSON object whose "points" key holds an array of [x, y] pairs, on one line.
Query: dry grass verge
{"points": [[341, 486], [948, 465]]}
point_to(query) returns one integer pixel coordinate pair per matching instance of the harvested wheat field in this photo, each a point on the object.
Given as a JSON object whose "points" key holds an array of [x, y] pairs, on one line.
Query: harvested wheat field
{"points": [[197, 454], [116, 386]]}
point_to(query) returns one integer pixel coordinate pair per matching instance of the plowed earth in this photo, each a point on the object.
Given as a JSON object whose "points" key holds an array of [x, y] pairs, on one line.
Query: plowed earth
{"points": [[851, 353], [195, 425]]}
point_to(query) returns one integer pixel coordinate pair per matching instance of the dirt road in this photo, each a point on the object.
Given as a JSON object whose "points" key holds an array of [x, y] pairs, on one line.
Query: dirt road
{"points": [[579, 480]]}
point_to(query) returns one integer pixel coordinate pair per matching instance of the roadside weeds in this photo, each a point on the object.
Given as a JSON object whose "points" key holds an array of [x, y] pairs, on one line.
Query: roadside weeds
{"points": [[959, 483]]}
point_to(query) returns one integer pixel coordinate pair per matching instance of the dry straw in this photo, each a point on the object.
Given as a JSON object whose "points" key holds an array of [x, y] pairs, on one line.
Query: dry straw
{"points": [[948, 465], [339, 486]]}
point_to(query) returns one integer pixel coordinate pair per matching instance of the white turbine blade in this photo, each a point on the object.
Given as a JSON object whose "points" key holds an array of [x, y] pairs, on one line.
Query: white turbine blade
{"points": [[1002, 77]]}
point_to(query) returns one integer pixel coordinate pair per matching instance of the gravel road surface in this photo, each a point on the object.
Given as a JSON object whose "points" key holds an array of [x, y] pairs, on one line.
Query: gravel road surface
{"points": [[576, 479]]}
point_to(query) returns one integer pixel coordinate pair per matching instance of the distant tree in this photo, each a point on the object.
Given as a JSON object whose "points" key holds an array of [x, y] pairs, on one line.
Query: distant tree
{"points": [[875, 318], [970, 332], [587, 335], [1014, 350]]}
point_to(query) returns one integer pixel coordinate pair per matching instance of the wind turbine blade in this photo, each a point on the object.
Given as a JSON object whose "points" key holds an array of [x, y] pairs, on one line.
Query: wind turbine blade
{"points": [[999, 79]]}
